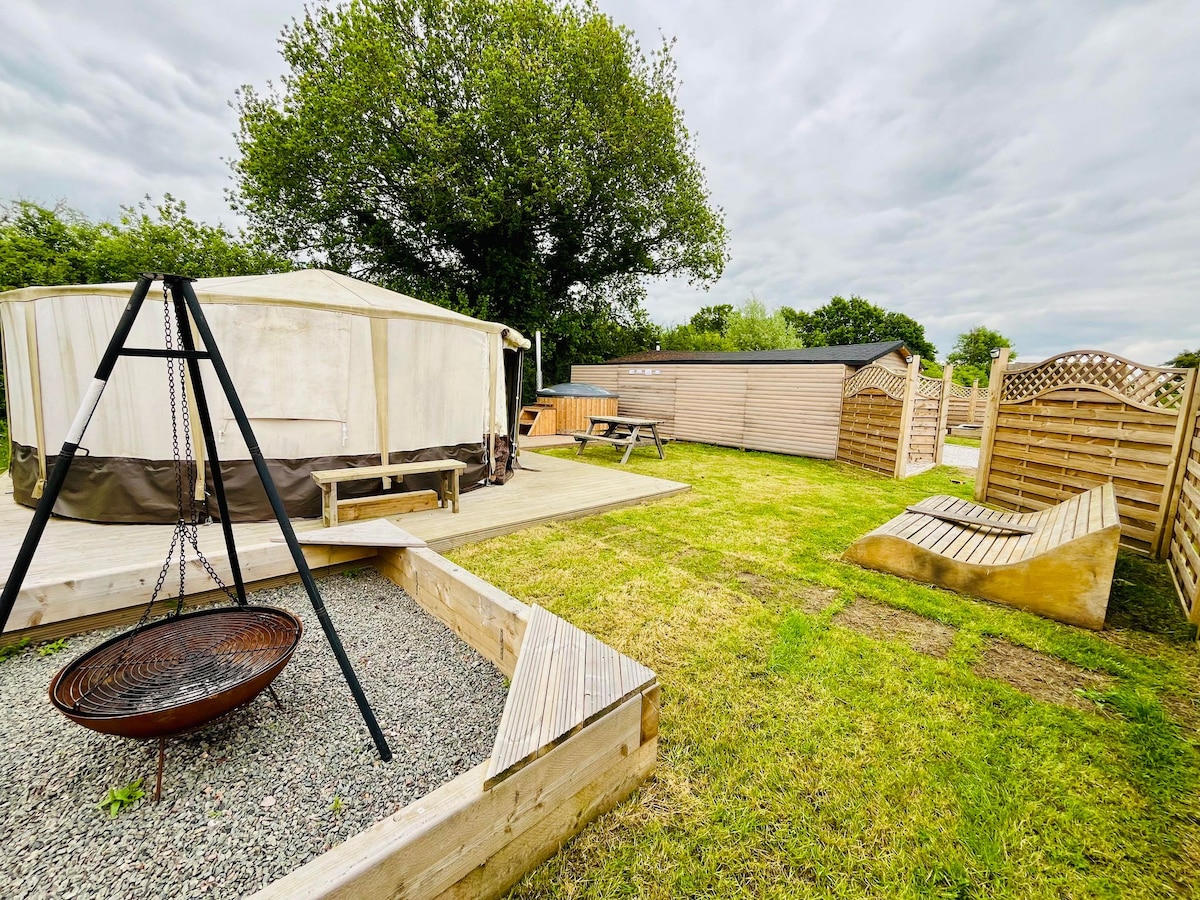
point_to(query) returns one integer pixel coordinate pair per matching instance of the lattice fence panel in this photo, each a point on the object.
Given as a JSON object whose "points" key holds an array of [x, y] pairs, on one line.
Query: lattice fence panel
{"points": [[1077, 420], [1147, 387], [886, 381], [877, 424], [966, 405], [1183, 556]]}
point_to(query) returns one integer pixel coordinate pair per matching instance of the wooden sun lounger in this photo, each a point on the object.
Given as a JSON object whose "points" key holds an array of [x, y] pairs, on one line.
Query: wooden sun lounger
{"points": [[1056, 562]]}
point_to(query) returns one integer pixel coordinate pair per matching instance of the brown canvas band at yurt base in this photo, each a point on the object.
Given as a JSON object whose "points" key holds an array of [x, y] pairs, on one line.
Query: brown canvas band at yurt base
{"points": [[117, 490]]}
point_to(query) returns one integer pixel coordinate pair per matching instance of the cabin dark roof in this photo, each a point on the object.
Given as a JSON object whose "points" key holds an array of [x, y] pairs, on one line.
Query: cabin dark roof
{"points": [[846, 354]]}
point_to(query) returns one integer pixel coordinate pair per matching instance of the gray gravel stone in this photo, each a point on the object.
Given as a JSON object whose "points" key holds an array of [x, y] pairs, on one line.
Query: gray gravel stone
{"points": [[259, 793]]}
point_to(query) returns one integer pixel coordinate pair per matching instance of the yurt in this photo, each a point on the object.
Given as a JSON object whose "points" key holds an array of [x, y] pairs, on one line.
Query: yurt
{"points": [[331, 371]]}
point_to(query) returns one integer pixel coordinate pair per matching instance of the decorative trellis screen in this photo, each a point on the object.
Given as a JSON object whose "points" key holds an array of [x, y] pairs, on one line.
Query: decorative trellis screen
{"points": [[892, 420], [1077, 420]]}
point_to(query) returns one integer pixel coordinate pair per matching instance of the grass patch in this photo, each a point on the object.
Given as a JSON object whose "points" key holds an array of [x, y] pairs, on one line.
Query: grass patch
{"points": [[5, 449], [800, 757], [963, 441]]}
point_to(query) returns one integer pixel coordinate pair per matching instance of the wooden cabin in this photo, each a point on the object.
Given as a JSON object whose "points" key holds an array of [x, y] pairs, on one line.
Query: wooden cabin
{"points": [[782, 401]]}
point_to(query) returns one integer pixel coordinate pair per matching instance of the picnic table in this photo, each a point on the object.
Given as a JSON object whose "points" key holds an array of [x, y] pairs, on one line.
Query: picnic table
{"points": [[621, 431]]}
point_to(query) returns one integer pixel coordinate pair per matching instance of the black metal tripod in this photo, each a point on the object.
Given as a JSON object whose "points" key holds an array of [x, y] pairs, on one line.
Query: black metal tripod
{"points": [[186, 305]]}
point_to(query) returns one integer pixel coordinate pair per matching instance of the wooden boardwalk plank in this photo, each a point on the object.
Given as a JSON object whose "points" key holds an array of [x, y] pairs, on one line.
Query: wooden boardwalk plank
{"points": [[85, 569]]}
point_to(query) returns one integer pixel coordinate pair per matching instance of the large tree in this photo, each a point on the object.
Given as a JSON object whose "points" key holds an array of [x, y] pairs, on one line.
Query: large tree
{"points": [[520, 160], [972, 354], [858, 321]]}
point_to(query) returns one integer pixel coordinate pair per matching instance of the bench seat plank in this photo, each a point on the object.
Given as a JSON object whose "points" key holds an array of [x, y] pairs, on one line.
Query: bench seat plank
{"points": [[564, 679], [399, 470]]}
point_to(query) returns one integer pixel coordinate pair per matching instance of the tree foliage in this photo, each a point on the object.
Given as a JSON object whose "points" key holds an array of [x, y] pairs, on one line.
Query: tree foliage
{"points": [[713, 318], [858, 321], [41, 245], [972, 354], [751, 327], [1185, 359], [519, 160], [688, 337]]}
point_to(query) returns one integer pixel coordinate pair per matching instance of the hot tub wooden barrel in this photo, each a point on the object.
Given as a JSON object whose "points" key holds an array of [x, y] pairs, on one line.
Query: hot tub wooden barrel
{"points": [[573, 403]]}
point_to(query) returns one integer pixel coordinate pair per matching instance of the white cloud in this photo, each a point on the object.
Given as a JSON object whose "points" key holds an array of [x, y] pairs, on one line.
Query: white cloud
{"points": [[1031, 167]]}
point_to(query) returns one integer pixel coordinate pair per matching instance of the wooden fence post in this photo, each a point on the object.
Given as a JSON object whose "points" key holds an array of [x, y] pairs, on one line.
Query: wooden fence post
{"points": [[995, 389], [943, 413], [974, 408], [906, 416], [1189, 409]]}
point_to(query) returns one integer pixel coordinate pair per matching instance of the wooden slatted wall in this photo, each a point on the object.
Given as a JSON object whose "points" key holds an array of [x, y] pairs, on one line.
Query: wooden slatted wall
{"points": [[601, 376], [794, 409], [1183, 556], [648, 392], [710, 404], [1072, 422], [779, 408], [966, 405]]}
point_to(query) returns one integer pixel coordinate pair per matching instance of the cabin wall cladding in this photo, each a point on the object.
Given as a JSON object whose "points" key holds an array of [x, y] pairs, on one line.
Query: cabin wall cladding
{"points": [[891, 420], [780, 408], [1183, 554], [1077, 420]]}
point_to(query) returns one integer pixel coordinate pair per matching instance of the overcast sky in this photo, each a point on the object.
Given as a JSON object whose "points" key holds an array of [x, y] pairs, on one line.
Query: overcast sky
{"points": [[1034, 167]]}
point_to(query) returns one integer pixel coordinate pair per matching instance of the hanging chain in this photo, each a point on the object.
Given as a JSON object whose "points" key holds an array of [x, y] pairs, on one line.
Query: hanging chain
{"points": [[186, 530]]}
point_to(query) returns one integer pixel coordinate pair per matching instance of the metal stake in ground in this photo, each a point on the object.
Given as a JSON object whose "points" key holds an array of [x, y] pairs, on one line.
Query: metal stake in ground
{"points": [[184, 287]]}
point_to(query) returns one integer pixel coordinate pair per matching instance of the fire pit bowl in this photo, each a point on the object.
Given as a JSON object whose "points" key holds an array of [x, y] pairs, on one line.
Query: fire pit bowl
{"points": [[179, 673]]}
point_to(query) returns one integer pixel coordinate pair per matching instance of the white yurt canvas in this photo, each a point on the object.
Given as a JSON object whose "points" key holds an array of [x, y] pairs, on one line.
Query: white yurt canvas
{"points": [[331, 371]]}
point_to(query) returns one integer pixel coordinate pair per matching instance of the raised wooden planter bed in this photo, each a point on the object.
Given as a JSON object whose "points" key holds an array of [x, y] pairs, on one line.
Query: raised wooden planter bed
{"points": [[578, 734]]}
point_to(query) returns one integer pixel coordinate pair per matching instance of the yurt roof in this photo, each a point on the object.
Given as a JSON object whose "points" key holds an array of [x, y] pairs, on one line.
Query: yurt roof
{"points": [[307, 288]]}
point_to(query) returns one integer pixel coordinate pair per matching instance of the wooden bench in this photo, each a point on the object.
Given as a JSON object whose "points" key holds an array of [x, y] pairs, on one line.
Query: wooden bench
{"points": [[565, 679], [333, 509], [1056, 562]]}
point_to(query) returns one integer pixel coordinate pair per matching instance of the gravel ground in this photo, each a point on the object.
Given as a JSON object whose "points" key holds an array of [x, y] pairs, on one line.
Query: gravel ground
{"points": [[261, 792], [958, 455]]}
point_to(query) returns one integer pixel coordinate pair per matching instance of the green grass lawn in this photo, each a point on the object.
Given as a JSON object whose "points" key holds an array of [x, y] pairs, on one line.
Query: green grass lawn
{"points": [[963, 441], [4, 447], [800, 758]]}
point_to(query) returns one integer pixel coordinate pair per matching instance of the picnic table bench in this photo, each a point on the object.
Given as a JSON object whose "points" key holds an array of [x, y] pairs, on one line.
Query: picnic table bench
{"points": [[620, 431], [332, 508]]}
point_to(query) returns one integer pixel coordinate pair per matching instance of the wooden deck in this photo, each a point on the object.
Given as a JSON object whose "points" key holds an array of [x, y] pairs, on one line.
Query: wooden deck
{"points": [[100, 573]]}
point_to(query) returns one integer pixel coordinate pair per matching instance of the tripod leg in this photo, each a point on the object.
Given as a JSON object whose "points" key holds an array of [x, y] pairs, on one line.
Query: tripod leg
{"points": [[66, 455], [285, 525]]}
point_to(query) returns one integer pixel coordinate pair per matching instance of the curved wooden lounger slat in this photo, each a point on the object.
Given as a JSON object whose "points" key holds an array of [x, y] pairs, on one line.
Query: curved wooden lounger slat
{"points": [[1062, 569]]}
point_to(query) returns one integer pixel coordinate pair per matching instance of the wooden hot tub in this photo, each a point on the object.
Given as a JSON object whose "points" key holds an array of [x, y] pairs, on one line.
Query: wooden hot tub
{"points": [[573, 403]]}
